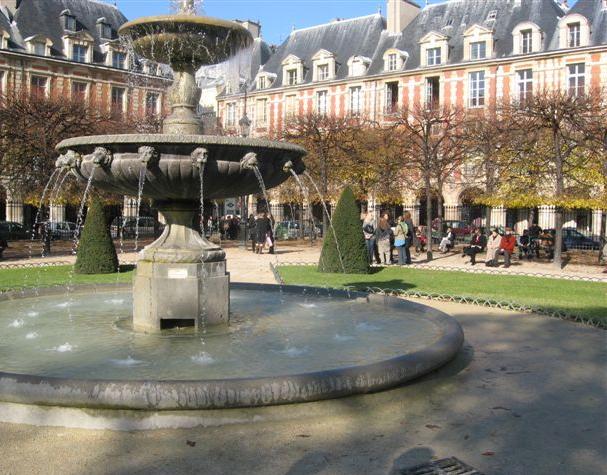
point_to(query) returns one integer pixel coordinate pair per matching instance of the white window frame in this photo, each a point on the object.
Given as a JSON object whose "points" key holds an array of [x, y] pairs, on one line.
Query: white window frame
{"points": [[77, 45], [527, 41], [261, 82], [123, 106], [156, 94], [322, 72], [574, 34], [115, 54], [476, 48], [261, 112], [322, 102], [47, 83], [292, 77], [524, 80], [392, 62], [477, 89], [434, 56], [86, 90], [355, 100], [576, 79], [230, 114], [291, 105]]}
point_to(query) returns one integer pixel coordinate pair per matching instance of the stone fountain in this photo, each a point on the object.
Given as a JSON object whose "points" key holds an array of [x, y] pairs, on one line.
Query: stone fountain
{"points": [[181, 278]]}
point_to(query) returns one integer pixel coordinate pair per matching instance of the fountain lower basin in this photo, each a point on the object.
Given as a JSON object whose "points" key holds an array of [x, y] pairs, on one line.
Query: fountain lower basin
{"points": [[285, 345]]}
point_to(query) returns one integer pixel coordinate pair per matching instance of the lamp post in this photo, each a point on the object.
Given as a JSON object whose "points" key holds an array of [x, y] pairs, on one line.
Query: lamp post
{"points": [[245, 129]]}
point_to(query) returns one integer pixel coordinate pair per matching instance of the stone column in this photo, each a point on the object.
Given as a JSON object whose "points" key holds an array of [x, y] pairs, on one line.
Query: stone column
{"points": [[545, 217], [498, 216], [57, 213], [597, 221], [129, 207], [252, 205]]}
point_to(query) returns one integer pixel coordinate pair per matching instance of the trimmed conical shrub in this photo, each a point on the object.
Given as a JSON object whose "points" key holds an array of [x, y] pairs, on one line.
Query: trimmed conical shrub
{"points": [[349, 232], [96, 251]]}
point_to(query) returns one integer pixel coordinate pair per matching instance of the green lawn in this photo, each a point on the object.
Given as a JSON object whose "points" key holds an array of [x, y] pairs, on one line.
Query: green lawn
{"points": [[14, 279], [587, 300]]}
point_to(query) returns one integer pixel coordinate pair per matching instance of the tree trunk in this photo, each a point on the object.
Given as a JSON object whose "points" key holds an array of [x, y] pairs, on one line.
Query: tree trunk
{"points": [[487, 219], [429, 219], [323, 178], [558, 212]]}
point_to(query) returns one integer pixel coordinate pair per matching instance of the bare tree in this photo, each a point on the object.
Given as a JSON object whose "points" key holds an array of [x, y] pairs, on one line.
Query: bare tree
{"points": [[432, 144]]}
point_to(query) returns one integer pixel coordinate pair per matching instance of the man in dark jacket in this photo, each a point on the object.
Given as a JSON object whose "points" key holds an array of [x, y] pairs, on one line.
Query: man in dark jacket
{"points": [[263, 228]]}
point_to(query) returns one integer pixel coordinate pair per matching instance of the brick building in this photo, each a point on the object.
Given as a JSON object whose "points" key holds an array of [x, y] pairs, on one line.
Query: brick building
{"points": [[468, 53], [70, 49]]}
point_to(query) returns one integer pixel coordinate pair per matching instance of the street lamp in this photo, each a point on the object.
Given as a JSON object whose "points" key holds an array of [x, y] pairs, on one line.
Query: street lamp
{"points": [[245, 129], [245, 125]]}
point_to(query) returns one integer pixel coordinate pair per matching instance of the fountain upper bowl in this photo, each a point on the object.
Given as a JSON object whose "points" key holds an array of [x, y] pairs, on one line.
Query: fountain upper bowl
{"points": [[186, 40], [172, 164]]}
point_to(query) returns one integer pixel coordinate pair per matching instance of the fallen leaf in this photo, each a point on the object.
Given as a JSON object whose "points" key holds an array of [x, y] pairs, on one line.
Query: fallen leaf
{"points": [[488, 453], [191, 443], [432, 426], [303, 435]]}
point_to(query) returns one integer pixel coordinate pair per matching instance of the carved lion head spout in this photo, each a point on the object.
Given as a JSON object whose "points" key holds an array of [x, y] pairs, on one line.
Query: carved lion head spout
{"points": [[249, 161], [102, 157], [149, 156], [199, 157]]}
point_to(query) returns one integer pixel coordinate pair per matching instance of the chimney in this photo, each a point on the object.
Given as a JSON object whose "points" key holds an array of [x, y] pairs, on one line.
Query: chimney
{"points": [[10, 5], [253, 27], [400, 14]]}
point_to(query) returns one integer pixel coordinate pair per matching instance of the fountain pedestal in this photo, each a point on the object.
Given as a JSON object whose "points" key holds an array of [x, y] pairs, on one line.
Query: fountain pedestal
{"points": [[181, 278]]}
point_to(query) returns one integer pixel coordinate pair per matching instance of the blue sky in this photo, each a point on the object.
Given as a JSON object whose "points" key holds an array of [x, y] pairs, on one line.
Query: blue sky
{"points": [[277, 17]]}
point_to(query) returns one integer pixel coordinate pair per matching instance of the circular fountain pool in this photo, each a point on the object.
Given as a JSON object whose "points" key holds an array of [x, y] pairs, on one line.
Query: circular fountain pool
{"points": [[288, 344]]}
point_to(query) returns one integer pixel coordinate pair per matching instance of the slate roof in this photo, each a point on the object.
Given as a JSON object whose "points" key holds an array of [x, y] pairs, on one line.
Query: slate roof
{"points": [[343, 38], [454, 17], [597, 14], [42, 17]]}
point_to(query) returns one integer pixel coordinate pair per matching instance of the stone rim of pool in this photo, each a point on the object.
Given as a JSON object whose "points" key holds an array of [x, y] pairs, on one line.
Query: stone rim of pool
{"points": [[239, 392]]}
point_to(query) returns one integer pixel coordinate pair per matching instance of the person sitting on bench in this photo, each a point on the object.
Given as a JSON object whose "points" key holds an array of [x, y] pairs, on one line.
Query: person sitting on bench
{"points": [[477, 244]]}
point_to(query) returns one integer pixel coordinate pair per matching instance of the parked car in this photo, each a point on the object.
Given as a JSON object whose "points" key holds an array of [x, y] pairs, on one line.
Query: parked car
{"points": [[291, 230], [62, 229], [11, 231], [573, 239], [129, 227]]}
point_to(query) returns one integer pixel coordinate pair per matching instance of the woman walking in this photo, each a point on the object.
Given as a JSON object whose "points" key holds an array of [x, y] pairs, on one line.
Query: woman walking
{"points": [[369, 232], [263, 228]]}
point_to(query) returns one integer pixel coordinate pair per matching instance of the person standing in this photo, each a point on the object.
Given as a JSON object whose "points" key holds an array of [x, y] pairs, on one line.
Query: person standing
{"points": [[263, 228], [253, 231], [383, 234], [507, 244], [369, 233], [400, 239], [410, 237], [493, 247]]}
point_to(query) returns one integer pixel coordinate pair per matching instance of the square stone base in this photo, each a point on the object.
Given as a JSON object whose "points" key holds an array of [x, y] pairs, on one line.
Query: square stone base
{"points": [[176, 295]]}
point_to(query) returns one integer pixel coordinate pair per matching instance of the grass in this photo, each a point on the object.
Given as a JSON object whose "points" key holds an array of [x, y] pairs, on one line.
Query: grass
{"points": [[16, 279], [586, 300]]}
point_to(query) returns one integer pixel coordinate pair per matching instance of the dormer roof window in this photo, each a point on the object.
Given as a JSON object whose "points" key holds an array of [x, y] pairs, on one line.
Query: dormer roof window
{"points": [[358, 65], [434, 49], [264, 80], [292, 71], [526, 38], [492, 15], [78, 46], [324, 65], [104, 29], [68, 20], [4, 38], [574, 31], [394, 59], [478, 43], [38, 45]]}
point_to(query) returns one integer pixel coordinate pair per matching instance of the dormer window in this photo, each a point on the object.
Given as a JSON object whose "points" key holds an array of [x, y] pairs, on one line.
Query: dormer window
{"points": [[526, 41], [118, 59], [39, 48], [292, 77], [68, 20], [434, 49], [322, 72], [394, 60], [4, 39], [575, 30], [79, 53], [262, 82], [433, 56], [292, 70], [38, 45], [265, 79], [526, 38], [357, 65], [324, 66], [478, 50], [104, 29]]}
